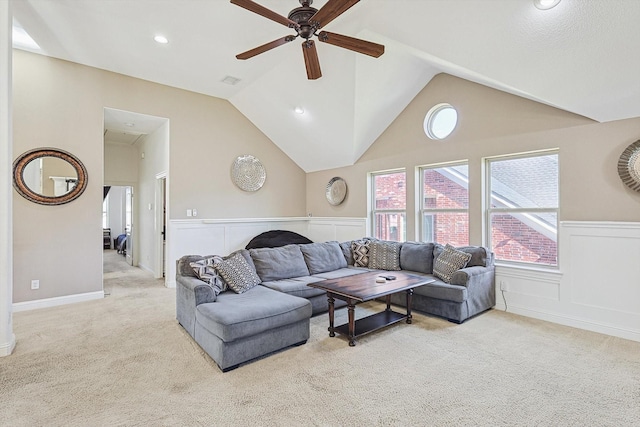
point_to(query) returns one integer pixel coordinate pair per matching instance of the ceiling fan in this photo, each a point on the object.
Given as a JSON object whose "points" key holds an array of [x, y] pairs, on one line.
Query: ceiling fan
{"points": [[307, 20]]}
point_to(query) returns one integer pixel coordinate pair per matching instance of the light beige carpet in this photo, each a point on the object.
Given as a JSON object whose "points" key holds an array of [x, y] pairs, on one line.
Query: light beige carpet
{"points": [[124, 360]]}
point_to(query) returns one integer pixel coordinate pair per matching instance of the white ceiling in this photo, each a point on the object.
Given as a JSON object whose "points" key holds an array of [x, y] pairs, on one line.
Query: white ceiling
{"points": [[581, 56]]}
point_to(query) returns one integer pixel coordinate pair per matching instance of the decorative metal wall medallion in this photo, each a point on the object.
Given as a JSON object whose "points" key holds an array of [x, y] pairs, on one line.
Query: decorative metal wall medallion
{"points": [[629, 166], [336, 191], [248, 173]]}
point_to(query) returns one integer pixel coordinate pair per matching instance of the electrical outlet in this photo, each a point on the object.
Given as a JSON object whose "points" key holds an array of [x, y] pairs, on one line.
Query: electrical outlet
{"points": [[195, 212], [35, 284], [503, 285]]}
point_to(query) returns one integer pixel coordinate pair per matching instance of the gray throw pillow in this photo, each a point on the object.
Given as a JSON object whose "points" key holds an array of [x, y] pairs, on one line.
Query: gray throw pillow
{"points": [[449, 261], [322, 257], [384, 255], [238, 274], [417, 257], [346, 250], [284, 262]]}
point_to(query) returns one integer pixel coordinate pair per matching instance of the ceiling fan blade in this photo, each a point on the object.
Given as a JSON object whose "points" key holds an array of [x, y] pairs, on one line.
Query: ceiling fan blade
{"points": [[330, 11], [265, 47], [351, 43], [263, 11], [311, 60]]}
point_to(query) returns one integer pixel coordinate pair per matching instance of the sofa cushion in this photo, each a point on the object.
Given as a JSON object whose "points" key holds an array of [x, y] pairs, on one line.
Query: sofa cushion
{"points": [[448, 262], [384, 255], [284, 262], [321, 257], [296, 286], [417, 257], [444, 291], [360, 251], [236, 316], [343, 272], [238, 274]]}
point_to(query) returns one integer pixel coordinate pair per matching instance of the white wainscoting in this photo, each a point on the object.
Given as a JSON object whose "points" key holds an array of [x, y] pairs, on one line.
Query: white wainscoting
{"points": [[222, 236], [597, 287]]}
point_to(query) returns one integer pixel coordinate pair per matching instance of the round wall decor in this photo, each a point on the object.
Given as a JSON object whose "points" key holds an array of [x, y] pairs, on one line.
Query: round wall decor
{"points": [[336, 191], [248, 173], [629, 166]]}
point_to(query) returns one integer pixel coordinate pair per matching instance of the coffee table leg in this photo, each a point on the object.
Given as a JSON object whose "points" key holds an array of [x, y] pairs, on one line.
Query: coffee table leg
{"points": [[409, 297], [388, 297], [331, 308], [352, 323]]}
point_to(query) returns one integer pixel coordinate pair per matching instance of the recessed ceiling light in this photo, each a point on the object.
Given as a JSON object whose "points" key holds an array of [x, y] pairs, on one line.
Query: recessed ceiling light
{"points": [[161, 39], [545, 4], [128, 124], [299, 110]]}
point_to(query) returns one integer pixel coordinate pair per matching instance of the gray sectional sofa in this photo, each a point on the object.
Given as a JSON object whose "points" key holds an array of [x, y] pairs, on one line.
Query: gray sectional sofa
{"points": [[273, 308]]}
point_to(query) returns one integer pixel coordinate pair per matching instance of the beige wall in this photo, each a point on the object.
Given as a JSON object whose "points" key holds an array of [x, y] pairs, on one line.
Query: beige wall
{"points": [[120, 164], [60, 104], [493, 123]]}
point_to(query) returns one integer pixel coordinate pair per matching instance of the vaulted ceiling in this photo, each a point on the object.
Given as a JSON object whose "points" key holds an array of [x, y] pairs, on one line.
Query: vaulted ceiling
{"points": [[581, 56]]}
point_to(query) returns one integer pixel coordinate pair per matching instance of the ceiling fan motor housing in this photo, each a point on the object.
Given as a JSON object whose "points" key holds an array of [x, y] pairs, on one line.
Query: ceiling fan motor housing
{"points": [[301, 16]]}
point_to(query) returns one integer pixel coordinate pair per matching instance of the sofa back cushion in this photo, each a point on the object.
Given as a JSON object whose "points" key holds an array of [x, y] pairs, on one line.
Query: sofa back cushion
{"points": [[384, 255], [346, 250], [322, 257], [417, 257], [284, 262]]}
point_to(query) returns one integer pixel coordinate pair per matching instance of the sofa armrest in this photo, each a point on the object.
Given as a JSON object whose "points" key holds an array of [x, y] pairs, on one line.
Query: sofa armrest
{"points": [[202, 292], [191, 292], [469, 276]]}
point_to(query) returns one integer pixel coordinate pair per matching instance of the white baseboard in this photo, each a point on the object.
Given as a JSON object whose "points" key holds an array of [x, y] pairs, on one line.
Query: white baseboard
{"points": [[7, 348], [56, 301], [569, 321]]}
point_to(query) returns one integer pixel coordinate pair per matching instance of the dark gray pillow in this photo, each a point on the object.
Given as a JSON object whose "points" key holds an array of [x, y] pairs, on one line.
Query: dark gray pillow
{"points": [[284, 262], [417, 257], [346, 250], [322, 257]]}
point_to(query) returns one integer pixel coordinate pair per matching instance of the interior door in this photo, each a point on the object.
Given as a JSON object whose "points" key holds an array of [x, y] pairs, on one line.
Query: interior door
{"points": [[129, 224]]}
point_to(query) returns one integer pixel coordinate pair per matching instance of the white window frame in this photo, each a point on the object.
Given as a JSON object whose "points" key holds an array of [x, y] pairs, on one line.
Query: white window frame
{"points": [[105, 212], [372, 201], [424, 211], [488, 210]]}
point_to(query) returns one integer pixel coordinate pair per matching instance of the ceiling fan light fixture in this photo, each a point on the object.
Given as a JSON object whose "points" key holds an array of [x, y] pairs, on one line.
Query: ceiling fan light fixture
{"points": [[545, 4], [299, 110]]}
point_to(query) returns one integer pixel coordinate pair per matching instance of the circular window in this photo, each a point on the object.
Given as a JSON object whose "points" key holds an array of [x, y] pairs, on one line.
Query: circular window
{"points": [[440, 121]]}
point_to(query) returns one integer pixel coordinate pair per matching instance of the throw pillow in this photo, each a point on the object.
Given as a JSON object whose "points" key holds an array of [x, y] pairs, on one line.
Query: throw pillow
{"points": [[360, 251], [449, 261], [384, 255], [238, 274], [205, 270]]}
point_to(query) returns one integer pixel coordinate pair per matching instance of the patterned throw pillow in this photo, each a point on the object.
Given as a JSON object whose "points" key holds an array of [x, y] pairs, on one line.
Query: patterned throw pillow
{"points": [[384, 255], [238, 274], [205, 271], [360, 251], [449, 261]]}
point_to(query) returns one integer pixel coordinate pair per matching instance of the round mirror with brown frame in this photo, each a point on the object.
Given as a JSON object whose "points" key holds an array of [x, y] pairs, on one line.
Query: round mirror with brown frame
{"points": [[49, 176], [629, 166]]}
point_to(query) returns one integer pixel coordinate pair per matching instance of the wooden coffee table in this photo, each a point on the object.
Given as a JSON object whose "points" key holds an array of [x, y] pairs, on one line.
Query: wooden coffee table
{"points": [[363, 287]]}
